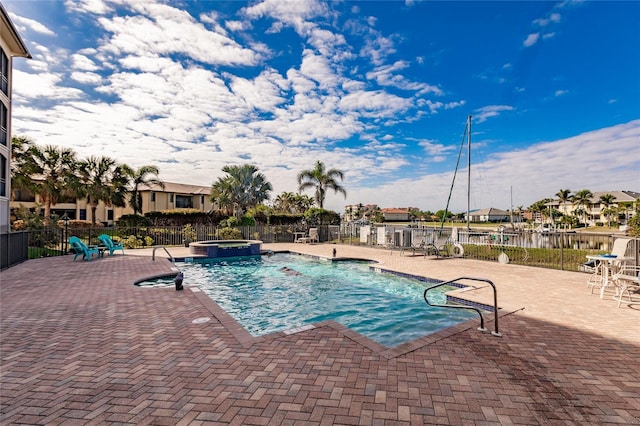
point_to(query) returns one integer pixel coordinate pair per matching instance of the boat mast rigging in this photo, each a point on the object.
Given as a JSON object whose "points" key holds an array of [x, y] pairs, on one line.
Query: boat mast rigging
{"points": [[466, 137]]}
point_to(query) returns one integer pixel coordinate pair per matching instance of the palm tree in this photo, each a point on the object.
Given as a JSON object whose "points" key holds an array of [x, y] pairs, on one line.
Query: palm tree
{"points": [[242, 188], [322, 180], [607, 200], [145, 175], [582, 198], [102, 179], [284, 203], [563, 195], [23, 167], [52, 170], [289, 202]]}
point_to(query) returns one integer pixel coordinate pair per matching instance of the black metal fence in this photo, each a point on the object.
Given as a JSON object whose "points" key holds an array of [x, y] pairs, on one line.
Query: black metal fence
{"points": [[561, 250], [555, 250]]}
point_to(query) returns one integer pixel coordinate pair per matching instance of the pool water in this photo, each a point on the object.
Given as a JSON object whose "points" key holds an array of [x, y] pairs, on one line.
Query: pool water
{"points": [[263, 298]]}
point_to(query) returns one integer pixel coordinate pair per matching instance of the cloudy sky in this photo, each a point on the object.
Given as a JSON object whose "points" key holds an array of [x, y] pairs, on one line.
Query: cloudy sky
{"points": [[378, 89]]}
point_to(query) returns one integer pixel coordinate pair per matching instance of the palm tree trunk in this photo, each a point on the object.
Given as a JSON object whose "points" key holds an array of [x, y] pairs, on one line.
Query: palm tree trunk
{"points": [[94, 208]]}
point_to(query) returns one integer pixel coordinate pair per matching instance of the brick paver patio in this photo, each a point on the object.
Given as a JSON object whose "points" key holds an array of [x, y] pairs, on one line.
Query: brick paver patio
{"points": [[81, 345]]}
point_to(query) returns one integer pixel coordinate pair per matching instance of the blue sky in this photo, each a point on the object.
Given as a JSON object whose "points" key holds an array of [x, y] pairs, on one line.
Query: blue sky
{"points": [[379, 89]]}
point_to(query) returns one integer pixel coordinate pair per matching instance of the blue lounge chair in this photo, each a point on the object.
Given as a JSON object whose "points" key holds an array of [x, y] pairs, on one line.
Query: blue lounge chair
{"points": [[109, 244], [80, 248]]}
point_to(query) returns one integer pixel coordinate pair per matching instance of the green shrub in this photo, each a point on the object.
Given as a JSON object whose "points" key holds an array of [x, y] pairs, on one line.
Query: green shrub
{"points": [[133, 220], [230, 222], [131, 242], [229, 234], [247, 221], [189, 234]]}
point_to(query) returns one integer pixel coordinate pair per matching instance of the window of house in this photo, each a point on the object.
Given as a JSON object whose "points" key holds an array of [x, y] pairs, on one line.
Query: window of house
{"points": [[171, 198], [3, 176], [184, 202], [202, 200], [83, 214], [4, 74], [153, 197], [4, 118], [24, 195], [109, 214]]}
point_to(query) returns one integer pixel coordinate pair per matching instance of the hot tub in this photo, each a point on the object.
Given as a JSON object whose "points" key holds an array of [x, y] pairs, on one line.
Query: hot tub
{"points": [[225, 248]]}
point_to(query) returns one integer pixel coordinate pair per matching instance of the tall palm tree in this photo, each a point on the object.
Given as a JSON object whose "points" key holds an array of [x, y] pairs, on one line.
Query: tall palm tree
{"points": [[243, 187], [102, 179], [53, 169], [322, 180], [582, 199], [145, 175], [564, 195]]}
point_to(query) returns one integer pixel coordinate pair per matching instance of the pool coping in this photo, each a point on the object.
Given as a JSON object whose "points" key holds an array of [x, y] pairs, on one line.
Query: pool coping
{"points": [[245, 338]]}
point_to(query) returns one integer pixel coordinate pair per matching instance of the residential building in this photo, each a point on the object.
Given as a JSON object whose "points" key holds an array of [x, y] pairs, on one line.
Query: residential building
{"points": [[11, 46], [395, 214], [173, 196], [154, 199], [489, 215], [359, 212], [624, 206]]}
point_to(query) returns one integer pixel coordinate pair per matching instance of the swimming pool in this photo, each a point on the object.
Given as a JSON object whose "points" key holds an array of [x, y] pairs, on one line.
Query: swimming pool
{"points": [[263, 298]]}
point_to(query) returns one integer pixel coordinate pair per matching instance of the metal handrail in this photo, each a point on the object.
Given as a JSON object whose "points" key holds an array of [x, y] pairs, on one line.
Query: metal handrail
{"points": [[153, 254], [482, 328]]}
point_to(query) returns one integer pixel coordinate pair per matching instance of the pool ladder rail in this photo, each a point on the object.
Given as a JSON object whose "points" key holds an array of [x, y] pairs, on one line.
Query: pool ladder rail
{"points": [[482, 328], [153, 254]]}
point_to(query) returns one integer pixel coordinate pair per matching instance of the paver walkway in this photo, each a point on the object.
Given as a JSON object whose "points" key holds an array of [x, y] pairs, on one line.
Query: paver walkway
{"points": [[79, 344]]}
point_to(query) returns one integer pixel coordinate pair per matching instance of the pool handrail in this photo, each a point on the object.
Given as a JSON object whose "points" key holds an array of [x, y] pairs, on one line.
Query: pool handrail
{"points": [[482, 328], [153, 254]]}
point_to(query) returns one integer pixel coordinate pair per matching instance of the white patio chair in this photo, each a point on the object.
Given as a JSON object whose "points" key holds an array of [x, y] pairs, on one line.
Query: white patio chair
{"points": [[603, 270], [627, 282]]}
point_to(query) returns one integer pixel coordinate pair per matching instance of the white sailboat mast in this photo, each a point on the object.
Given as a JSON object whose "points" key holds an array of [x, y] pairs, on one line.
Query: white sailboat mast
{"points": [[468, 169]]}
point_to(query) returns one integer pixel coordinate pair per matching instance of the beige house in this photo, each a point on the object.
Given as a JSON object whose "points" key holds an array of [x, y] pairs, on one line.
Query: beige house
{"points": [[154, 199], [396, 214], [11, 46], [624, 204], [353, 212], [488, 215], [173, 196]]}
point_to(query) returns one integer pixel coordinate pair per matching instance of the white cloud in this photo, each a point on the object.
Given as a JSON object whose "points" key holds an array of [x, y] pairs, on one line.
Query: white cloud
{"points": [[24, 24], [376, 103], [489, 111], [436, 151], [531, 39], [86, 77], [98, 7], [235, 25], [83, 63], [169, 35], [290, 12]]}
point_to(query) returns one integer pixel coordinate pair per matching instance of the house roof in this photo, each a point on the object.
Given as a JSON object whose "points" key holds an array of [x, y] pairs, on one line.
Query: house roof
{"points": [[9, 33], [395, 210], [491, 211], [179, 188]]}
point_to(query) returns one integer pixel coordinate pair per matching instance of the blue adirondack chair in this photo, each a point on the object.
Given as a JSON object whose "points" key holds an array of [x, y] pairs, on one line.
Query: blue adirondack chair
{"points": [[80, 248], [109, 244]]}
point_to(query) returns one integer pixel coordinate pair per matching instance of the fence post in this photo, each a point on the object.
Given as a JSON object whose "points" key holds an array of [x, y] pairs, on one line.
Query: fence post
{"points": [[562, 235]]}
